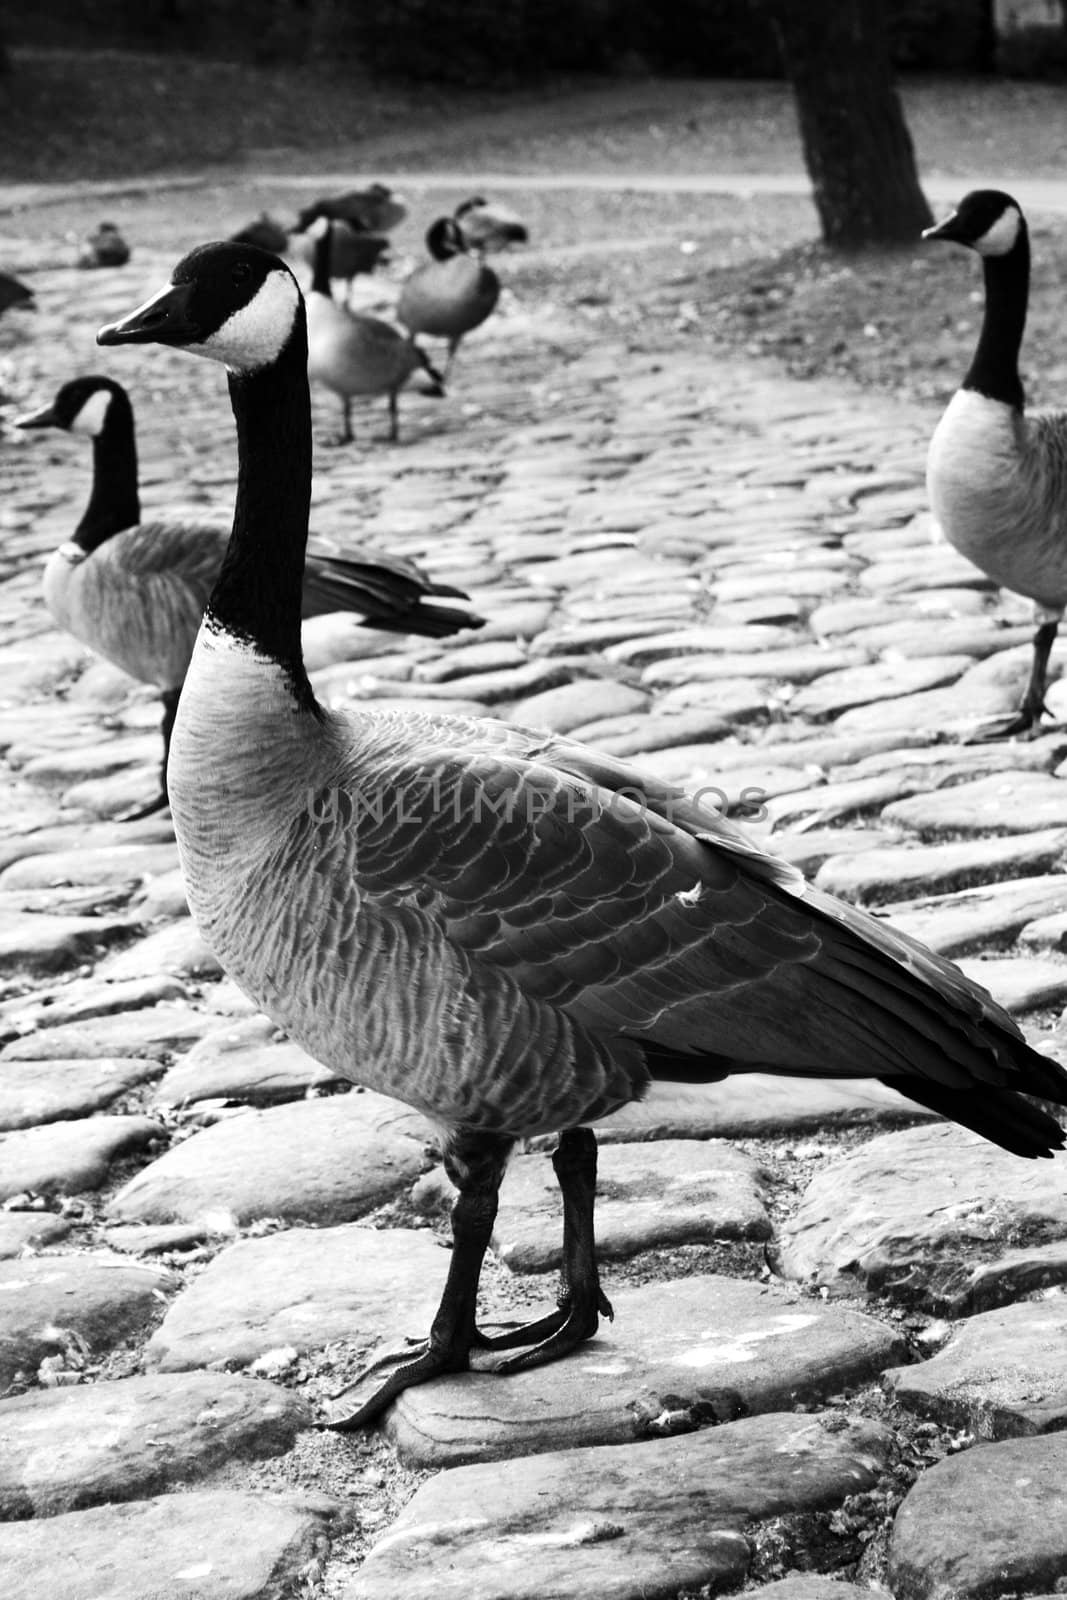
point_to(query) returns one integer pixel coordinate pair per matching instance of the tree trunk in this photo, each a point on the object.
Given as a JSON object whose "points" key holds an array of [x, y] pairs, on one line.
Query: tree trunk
{"points": [[856, 142]]}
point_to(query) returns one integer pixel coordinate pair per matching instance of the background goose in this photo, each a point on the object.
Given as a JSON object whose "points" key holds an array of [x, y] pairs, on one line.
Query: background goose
{"points": [[997, 478], [487, 227], [264, 232], [474, 917], [375, 209], [14, 293], [135, 591], [355, 354], [450, 295], [105, 247], [352, 251]]}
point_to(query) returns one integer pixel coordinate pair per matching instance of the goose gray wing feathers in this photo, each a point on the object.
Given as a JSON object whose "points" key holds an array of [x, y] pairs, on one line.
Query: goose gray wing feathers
{"points": [[139, 597], [645, 918]]}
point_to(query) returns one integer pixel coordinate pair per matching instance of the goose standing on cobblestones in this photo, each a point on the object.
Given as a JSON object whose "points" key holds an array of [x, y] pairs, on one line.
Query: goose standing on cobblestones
{"points": [[997, 478], [451, 295], [509, 931], [356, 355], [135, 591]]}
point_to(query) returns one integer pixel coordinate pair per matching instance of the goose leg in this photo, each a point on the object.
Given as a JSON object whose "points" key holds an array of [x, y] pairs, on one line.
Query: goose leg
{"points": [[581, 1301], [475, 1163], [346, 420], [1028, 718], [162, 800], [394, 418]]}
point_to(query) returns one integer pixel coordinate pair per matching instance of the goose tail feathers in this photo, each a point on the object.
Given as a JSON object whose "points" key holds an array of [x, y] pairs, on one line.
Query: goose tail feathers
{"points": [[392, 597]]}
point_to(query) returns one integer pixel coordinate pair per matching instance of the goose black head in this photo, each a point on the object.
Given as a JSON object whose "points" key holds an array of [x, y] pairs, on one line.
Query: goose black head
{"points": [[230, 302], [986, 220], [80, 406], [445, 238]]}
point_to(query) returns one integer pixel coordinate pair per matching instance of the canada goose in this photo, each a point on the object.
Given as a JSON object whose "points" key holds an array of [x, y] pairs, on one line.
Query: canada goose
{"points": [[997, 478], [352, 251], [104, 248], [375, 209], [488, 227], [450, 295], [135, 591], [504, 928], [354, 354], [264, 232], [14, 294]]}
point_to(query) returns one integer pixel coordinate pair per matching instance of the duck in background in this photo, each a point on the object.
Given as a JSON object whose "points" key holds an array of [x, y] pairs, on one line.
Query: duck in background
{"points": [[265, 233], [135, 591], [997, 476], [488, 227], [375, 209], [104, 248], [353, 253], [450, 295], [358, 355]]}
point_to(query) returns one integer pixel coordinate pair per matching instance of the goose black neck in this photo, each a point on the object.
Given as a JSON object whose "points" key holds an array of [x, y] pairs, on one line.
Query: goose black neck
{"points": [[994, 372], [320, 267], [257, 597], [114, 503]]}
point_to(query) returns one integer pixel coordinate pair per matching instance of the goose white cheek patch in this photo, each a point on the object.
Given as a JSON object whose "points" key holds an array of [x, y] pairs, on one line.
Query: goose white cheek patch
{"points": [[93, 414], [1000, 238], [254, 335]]}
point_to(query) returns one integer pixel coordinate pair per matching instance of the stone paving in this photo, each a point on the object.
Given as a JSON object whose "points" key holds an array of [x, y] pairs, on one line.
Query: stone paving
{"points": [[839, 1356]]}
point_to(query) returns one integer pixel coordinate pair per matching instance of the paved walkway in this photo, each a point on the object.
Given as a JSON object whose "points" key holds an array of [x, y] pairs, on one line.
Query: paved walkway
{"points": [[1034, 194], [729, 578]]}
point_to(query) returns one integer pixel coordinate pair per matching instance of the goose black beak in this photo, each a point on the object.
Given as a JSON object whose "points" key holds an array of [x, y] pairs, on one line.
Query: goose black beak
{"points": [[44, 418], [164, 319], [944, 230]]}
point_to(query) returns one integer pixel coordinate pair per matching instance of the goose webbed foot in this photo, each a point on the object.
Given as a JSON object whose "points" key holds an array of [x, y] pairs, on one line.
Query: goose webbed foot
{"points": [[475, 1163], [1022, 724], [455, 1336], [581, 1301], [1026, 722], [138, 813]]}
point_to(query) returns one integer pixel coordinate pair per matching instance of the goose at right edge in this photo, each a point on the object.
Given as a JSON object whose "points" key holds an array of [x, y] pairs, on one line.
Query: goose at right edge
{"points": [[997, 478]]}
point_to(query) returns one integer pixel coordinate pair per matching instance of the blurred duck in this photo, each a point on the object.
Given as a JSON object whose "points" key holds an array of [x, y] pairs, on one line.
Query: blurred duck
{"points": [[135, 591], [352, 252], [375, 209], [487, 227], [264, 232], [104, 248], [451, 294], [14, 294], [996, 477], [354, 354]]}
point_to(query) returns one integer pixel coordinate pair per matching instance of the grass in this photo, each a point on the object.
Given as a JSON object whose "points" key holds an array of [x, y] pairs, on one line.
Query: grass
{"points": [[668, 269]]}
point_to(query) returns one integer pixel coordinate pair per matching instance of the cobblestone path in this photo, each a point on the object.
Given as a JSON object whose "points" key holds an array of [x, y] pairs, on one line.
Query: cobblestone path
{"points": [[729, 578]]}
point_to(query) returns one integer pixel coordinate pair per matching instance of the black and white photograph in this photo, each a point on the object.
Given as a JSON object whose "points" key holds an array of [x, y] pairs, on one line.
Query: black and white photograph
{"points": [[533, 863]]}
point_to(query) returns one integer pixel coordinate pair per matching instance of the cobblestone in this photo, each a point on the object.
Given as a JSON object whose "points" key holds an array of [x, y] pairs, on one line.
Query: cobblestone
{"points": [[725, 576]]}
